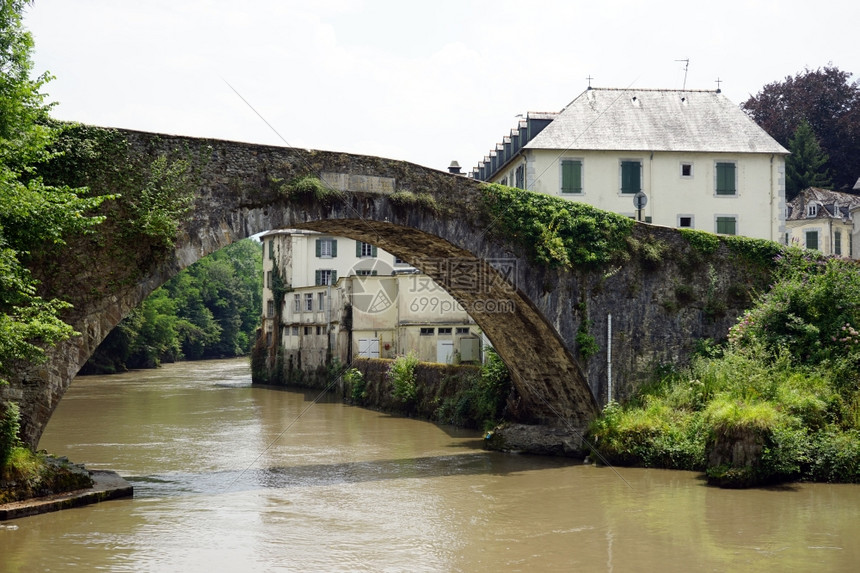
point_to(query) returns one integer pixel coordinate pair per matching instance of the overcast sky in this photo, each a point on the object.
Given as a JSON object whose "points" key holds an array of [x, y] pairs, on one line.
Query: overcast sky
{"points": [[427, 82]]}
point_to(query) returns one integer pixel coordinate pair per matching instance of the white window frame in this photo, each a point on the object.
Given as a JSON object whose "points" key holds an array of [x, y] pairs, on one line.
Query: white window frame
{"points": [[309, 302], [297, 303], [681, 169], [692, 221], [326, 248]]}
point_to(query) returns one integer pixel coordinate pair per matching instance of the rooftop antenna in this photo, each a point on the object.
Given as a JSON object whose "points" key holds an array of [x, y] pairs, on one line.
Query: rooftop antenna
{"points": [[686, 67]]}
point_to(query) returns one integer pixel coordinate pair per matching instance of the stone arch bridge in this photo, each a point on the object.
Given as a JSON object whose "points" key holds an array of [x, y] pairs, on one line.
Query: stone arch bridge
{"points": [[659, 303]]}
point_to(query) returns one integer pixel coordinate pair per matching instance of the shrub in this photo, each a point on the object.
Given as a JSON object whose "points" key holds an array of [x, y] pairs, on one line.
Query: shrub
{"points": [[401, 374], [356, 385], [9, 426]]}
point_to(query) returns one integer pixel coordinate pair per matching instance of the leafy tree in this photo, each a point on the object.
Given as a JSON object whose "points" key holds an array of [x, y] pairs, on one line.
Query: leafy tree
{"points": [[805, 167], [31, 212], [829, 101], [209, 310]]}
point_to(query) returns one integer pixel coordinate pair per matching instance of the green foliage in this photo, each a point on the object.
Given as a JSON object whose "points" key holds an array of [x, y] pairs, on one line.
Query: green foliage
{"points": [[555, 231], [356, 385], [32, 213], [805, 167], [9, 426], [310, 188], [209, 310], [410, 199], [705, 243], [482, 403], [828, 99], [401, 375], [164, 197], [812, 310], [585, 342]]}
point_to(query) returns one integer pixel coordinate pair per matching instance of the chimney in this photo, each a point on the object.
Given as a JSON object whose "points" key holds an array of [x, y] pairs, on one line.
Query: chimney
{"points": [[454, 168]]}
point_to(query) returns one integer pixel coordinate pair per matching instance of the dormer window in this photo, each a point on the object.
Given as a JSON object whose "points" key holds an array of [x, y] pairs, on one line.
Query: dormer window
{"points": [[812, 210]]}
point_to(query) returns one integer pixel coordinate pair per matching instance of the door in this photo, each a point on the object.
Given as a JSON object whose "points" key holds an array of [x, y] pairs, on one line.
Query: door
{"points": [[445, 351]]}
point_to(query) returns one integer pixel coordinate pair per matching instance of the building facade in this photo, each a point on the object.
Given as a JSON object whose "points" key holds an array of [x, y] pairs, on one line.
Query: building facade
{"points": [[344, 299], [699, 160], [824, 220]]}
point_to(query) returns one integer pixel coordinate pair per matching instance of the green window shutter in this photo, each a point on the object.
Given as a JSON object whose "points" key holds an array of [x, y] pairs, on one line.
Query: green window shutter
{"points": [[726, 179], [317, 278], [837, 243], [812, 240], [319, 249], [631, 177], [333, 248], [373, 250], [272, 249], [571, 176], [358, 248], [333, 277], [726, 226]]}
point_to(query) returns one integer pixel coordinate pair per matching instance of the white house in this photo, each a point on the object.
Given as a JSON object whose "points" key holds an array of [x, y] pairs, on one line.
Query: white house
{"points": [[824, 220], [699, 160]]}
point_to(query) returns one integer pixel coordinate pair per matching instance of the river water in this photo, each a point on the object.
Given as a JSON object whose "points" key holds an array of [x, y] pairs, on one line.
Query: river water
{"points": [[230, 477]]}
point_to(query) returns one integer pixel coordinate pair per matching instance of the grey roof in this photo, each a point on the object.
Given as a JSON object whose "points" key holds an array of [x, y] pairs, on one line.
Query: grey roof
{"points": [[835, 205], [654, 120]]}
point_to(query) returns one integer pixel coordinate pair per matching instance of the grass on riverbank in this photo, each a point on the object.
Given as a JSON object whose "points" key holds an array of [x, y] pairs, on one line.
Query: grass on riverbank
{"points": [[787, 382], [28, 474]]}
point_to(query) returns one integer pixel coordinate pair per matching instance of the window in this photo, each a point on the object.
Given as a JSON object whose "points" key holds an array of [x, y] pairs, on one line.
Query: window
{"points": [[462, 330], [272, 249], [685, 221], [297, 303], [520, 177], [727, 225], [365, 273], [399, 261], [326, 248], [270, 308], [269, 279], [363, 249], [726, 178], [837, 242], [812, 240], [295, 330], [631, 177], [850, 246], [309, 302], [307, 330], [505, 181], [444, 331], [319, 330], [571, 176], [812, 210], [686, 170], [427, 331], [323, 277], [321, 300]]}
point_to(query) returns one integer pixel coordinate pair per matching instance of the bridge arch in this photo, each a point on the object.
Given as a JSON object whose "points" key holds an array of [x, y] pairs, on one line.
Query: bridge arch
{"points": [[427, 217]]}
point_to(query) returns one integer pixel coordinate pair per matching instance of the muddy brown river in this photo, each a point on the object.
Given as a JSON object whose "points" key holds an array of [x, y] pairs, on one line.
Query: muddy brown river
{"points": [[230, 477]]}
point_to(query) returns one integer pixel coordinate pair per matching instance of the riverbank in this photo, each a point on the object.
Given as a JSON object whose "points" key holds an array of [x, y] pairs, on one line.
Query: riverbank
{"points": [[107, 485]]}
